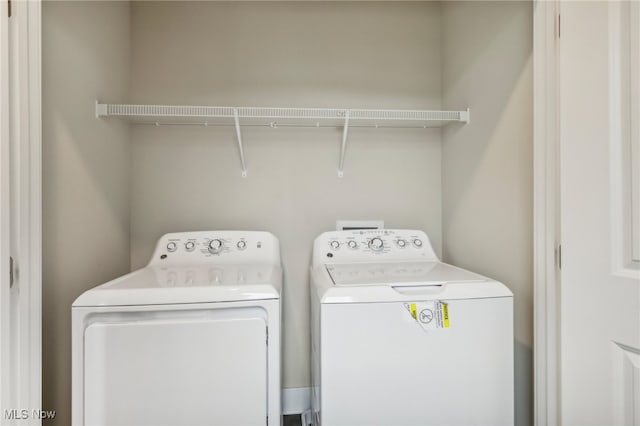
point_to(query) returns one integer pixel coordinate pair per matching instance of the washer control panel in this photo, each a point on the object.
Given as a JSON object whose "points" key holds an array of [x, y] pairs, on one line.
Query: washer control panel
{"points": [[367, 245], [216, 246]]}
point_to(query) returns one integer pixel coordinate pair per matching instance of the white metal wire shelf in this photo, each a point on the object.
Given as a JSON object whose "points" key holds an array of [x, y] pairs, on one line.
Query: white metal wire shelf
{"points": [[280, 117]]}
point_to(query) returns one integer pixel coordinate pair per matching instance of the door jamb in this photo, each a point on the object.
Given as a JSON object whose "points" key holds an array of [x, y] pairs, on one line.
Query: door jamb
{"points": [[546, 143], [546, 224], [31, 234], [23, 351], [5, 229]]}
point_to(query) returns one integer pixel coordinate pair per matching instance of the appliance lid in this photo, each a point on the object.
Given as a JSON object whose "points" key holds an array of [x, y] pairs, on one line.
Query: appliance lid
{"points": [[399, 273], [156, 285]]}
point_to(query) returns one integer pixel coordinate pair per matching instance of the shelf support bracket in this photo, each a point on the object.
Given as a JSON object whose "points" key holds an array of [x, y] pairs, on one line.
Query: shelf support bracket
{"points": [[465, 116], [345, 134], [239, 136], [101, 110]]}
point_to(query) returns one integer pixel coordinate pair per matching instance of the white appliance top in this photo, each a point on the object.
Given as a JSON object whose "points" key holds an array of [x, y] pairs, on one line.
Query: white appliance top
{"points": [[390, 265], [405, 273], [198, 267]]}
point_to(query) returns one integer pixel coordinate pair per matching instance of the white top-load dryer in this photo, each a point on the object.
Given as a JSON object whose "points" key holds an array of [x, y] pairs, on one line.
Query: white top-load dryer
{"points": [[193, 338], [400, 338]]}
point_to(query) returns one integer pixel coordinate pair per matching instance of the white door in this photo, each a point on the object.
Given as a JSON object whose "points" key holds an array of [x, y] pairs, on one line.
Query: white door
{"points": [[600, 214]]}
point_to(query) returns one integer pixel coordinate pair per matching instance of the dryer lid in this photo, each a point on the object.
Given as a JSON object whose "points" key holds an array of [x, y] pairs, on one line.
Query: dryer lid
{"points": [[395, 273]]}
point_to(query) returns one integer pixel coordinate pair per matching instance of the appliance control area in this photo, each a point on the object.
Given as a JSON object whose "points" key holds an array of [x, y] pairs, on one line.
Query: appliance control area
{"points": [[216, 246], [212, 245], [362, 245], [376, 244]]}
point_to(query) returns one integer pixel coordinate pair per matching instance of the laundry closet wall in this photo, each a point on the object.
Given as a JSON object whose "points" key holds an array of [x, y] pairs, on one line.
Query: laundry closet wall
{"points": [[111, 189], [487, 186], [86, 173], [323, 54]]}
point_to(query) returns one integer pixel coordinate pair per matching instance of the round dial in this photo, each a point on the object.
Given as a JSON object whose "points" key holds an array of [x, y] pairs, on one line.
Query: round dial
{"points": [[189, 245], [376, 243], [334, 244], [241, 245], [215, 246], [171, 247], [417, 242], [352, 244], [401, 243]]}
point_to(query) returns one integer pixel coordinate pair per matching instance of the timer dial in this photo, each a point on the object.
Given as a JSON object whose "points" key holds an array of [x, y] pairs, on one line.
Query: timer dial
{"points": [[215, 246], [376, 244]]}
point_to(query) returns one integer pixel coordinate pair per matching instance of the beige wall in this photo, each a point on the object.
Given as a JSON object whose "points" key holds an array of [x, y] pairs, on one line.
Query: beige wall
{"points": [[487, 165], [111, 190], [86, 166], [284, 54]]}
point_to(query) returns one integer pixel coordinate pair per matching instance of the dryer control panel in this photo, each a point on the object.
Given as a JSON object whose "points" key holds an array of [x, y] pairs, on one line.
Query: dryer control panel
{"points": [[218, 247], [372, 244]]}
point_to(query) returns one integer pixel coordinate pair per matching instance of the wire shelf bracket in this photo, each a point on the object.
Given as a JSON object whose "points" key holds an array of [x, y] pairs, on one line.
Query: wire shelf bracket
{"points": [[343, 147], [280, 117], [236, 120]]}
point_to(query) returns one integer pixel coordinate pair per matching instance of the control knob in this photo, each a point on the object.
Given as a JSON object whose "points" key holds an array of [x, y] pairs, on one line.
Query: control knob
{"points": [[215, 246], [334, 244], [352, 244], [189, 245], [401, 243], [376, 244], [171, 247], [417, 242], [241, 245]]}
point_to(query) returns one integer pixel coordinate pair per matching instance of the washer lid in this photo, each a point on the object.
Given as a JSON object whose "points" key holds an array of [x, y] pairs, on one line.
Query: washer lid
{"points": [[400, 282], [156, 285], [394, 273]]}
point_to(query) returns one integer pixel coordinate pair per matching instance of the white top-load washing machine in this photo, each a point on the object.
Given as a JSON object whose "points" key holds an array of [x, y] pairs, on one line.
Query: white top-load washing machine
{"points": [[400, 338], [193, 338]]}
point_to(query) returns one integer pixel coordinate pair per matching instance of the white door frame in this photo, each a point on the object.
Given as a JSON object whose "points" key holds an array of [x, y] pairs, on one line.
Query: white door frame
{"points": [[21, 211], [28, 17], [546, 225], [547, 252], [5, 343]]}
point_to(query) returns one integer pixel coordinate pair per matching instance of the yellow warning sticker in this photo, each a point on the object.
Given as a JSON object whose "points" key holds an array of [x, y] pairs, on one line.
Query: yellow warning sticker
{"points": [[431, 314], [444, 308], [412, 310]]}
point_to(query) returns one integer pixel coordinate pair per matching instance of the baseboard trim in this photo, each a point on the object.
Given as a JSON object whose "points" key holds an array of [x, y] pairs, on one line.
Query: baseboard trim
{"points": [[296, 400]]}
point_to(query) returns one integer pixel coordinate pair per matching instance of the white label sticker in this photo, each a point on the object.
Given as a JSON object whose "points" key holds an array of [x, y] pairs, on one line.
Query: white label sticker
{"points": [[431, 314]]}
